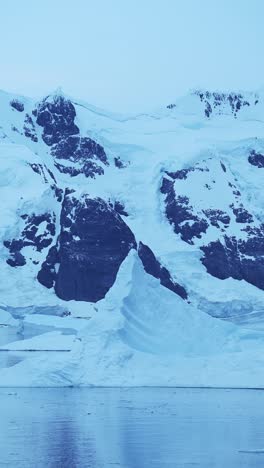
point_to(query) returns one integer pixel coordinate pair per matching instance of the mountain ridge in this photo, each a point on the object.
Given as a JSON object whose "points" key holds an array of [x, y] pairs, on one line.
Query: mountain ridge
{"points": [[176, 193]]}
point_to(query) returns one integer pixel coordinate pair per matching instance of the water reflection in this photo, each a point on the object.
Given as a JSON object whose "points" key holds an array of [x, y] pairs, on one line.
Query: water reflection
{"points": [[131, 428]]}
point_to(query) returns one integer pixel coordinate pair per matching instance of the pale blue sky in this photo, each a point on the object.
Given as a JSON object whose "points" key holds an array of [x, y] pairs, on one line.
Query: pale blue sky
{"points": [[130, 54]]}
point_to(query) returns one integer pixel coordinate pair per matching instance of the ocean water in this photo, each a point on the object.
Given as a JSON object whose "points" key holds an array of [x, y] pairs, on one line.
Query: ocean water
{"points": [[131, 428]]}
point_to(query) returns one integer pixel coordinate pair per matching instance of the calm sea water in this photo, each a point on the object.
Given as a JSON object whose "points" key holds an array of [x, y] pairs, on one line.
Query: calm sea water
{"points": [[131, 428]]}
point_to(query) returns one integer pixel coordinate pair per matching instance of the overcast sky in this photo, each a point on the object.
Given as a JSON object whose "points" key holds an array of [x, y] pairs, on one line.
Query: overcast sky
{"points": [[130, 54]]}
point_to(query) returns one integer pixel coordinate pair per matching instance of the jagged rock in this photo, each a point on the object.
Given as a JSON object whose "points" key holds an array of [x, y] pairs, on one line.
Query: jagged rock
{"points": [[30, 129], [58, 192], [256, 159], [18, 105], [216, 217], [153, 267], [217, 102], [118, 207], [93, 242], [180, 214], [241, 214], [239, 250], [30, 237], [119, 163], [89, 169], [56, 116], [84, 153], [47, 275], [79, 149], [16, 259], [237, 258]]}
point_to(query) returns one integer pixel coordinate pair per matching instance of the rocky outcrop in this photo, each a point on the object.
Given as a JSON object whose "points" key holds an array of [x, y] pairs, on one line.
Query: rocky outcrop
{"points": [[38, 232], [217, 102], [84, 155], [30, 129], [256, 159], [205, 197], [17, 105], [154, 268], [93, 242], [237, 258], [56, 115], [179, 210], [73, 153]]}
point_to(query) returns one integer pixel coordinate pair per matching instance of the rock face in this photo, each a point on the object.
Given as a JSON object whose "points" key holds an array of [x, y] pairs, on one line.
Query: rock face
{"points": [[84, 154], [206, 208], [256, 159], [56, 116], [18, 105], [30, 129], [153, 267], [236, 258], [179, 210], [74, 154], [211, 104], [215, 102], [93, 242], [38, 233]]}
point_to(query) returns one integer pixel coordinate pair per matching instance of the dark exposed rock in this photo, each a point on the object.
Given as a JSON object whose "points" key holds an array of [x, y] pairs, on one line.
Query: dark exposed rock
{"points": [[16, 259], [52, 175], [118, 207], [237, 258], [30, 129], [153, 267], [242, 215], [41, 170], [56, 116], [79, 149], [208, 109], [237, 193], [180, 214], [213, 102], [33, 222], [166, 185], [18, 105], [30, 237], [71, 170], [38, 168], [93, 242], [239, 253], [89, 169], [58, 192], [178, 209], [256, 159], [47, 274], [119, 163], [183, 173], [223, 167], [217, 216], [48, 177]]}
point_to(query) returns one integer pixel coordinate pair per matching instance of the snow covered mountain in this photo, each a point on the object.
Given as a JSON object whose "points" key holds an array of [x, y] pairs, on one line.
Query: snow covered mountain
{"points": [[150, 225]]}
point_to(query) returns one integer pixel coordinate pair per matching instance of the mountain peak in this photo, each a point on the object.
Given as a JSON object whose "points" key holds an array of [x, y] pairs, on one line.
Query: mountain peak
{"points": [[213, 103]]}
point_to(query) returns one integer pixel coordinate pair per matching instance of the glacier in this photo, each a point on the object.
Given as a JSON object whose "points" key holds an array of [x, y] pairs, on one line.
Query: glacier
{"points": [[132, 246]]}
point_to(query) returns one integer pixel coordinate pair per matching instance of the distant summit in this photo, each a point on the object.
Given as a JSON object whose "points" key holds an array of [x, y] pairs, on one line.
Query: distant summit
{"points": [[218, 103]]}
